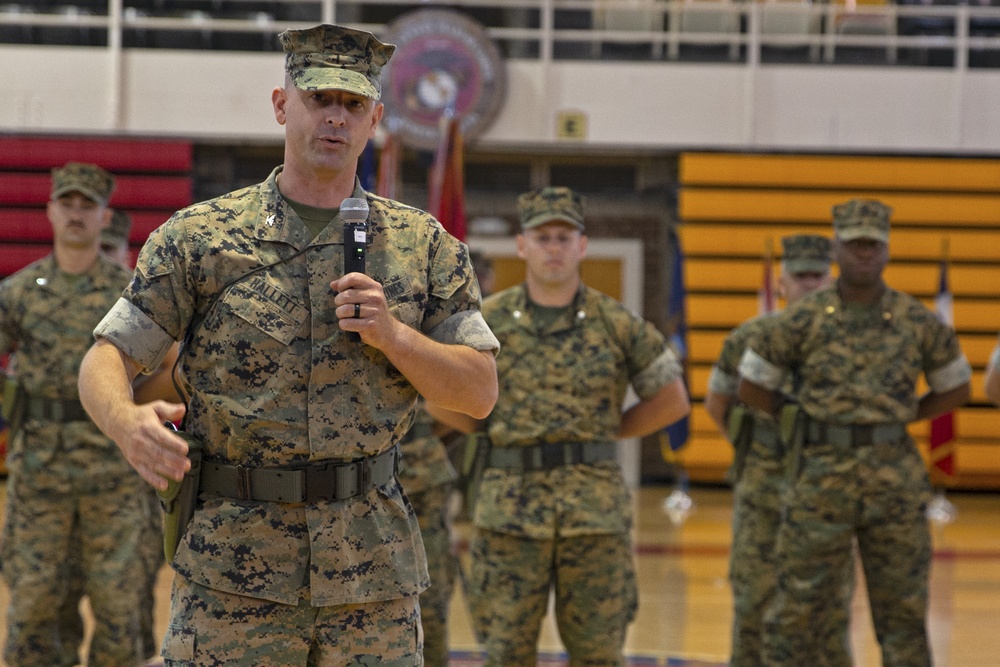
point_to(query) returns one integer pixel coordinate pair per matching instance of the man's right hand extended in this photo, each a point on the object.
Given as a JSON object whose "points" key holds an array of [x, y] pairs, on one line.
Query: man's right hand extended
{"points": [[155, 451]]}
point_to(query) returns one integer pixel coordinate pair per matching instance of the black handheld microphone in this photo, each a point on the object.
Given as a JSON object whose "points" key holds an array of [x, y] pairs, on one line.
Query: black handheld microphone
{"points": [[354, 215]]}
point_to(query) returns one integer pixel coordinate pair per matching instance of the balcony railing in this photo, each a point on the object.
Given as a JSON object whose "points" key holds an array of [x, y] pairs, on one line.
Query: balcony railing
{"points": [[751, 32]]}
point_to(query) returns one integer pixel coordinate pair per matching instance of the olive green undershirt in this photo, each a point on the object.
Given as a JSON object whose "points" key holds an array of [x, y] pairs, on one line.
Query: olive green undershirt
{"points": [[544, 316], [315, 219]]}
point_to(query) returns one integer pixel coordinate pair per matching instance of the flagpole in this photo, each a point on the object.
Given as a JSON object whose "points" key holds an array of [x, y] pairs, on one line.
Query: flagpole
{"points": [[941, 431], [679, 504]]}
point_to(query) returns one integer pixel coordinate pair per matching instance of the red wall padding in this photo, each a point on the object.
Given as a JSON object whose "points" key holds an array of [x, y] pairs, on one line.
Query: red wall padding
{"points": [[20, 225], [14, 257], [18, 189], [115, 155]]}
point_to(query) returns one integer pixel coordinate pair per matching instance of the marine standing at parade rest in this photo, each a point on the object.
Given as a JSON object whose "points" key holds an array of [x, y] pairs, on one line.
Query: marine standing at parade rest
{"points": [[302, 549], [857, 351], [553, 511], [73, 502], [758, 471], [114, 245]]}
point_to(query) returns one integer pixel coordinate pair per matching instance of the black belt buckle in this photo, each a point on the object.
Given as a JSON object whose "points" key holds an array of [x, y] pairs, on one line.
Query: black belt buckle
{"points": [[863, 435], [552, 456], [320, 485]]}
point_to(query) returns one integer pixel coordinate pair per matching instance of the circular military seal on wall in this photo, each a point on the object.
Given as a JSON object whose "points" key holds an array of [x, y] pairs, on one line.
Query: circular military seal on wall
{"points": [[443, 60]]}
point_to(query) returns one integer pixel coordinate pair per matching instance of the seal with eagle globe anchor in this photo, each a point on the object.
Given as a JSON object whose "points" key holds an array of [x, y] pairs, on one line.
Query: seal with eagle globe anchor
{"points": [[444, 64]]}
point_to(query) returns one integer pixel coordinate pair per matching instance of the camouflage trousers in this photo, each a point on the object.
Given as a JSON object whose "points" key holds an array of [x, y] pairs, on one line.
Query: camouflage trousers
{"points": [[150, 553], [593, 578], [210, 628], [753, 566], [36, 552], [431, 508], [878, 495]]}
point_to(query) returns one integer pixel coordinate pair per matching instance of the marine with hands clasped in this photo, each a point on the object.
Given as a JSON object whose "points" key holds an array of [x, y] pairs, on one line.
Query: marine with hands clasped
{"points": [[75, 509], [758, 473], [553, 511], [302, 549], [857, 350]]}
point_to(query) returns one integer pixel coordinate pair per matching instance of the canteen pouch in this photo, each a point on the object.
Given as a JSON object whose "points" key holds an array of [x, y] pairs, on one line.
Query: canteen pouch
{"points": [[179, 499], [739, 431], [13, 404], [477, 454]]}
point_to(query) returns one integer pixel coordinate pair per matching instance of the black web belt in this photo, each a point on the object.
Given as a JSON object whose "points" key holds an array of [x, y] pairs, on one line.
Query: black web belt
{"points": [[310, 483], [550, 455], [853, 435], [54, 409]]}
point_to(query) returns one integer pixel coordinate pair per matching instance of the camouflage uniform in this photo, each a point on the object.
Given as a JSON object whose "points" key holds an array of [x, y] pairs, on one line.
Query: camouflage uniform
{"points": [[66, 478], [566, 527], [274, 382], [428, 479], [758, 477], [114, 238], [859, 474]]}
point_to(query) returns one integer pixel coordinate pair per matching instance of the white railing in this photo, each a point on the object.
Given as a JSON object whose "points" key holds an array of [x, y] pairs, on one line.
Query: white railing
{"points": [[651, 29]]}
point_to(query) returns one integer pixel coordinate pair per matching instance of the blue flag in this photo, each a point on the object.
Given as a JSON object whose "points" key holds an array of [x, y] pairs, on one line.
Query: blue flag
{"points": [[678, 432]]}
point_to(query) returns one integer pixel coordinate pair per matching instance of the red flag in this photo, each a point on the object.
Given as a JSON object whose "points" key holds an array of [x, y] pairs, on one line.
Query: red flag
{"points": [[765, 296], [387, 181], [942, 430], [447, 182]]}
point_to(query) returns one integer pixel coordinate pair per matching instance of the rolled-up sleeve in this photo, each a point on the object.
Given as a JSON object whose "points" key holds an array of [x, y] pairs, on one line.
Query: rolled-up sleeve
{"points": [[663, 370], [760, 371], [950, 376], [132, 332], [467, 327]]}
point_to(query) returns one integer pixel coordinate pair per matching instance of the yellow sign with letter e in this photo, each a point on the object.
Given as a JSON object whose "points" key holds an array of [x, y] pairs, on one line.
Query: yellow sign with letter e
{"points": [[571, 125]]}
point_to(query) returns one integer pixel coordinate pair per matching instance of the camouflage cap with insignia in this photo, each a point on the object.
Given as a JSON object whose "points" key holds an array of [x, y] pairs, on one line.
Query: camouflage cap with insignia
{"points": [[331, 57], [552, 203], [87, 179], [861, 218], [116, 233], [805, 253]]}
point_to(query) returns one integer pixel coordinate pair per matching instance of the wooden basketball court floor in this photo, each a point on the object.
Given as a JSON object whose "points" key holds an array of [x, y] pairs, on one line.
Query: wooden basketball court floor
{"points": [[685, 600]]}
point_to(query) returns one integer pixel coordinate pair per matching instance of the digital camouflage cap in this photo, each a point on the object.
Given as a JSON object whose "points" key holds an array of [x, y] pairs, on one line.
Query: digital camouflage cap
{"points": [[547, 204], [116, 233], [331, 57], [805, 253], [87, 179], [861, 218]]}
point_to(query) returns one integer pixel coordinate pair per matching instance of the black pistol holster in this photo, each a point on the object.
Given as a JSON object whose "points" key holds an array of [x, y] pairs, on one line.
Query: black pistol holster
{"points": [[179, 499]]}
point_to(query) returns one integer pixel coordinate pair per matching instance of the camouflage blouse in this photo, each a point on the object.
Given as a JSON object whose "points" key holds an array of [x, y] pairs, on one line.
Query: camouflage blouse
{"points": [[857, 364], [275, 382], [566, 383], [47, 318]]}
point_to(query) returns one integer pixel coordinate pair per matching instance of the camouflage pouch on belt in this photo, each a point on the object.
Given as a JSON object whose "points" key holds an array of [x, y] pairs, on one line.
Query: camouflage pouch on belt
{"points": [[739, 430], [13, 404], [477, 454], [179, 499]]}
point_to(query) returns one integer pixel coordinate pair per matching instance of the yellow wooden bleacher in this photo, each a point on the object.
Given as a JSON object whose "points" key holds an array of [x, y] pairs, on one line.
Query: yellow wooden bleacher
{"points": [[732, 206]]}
